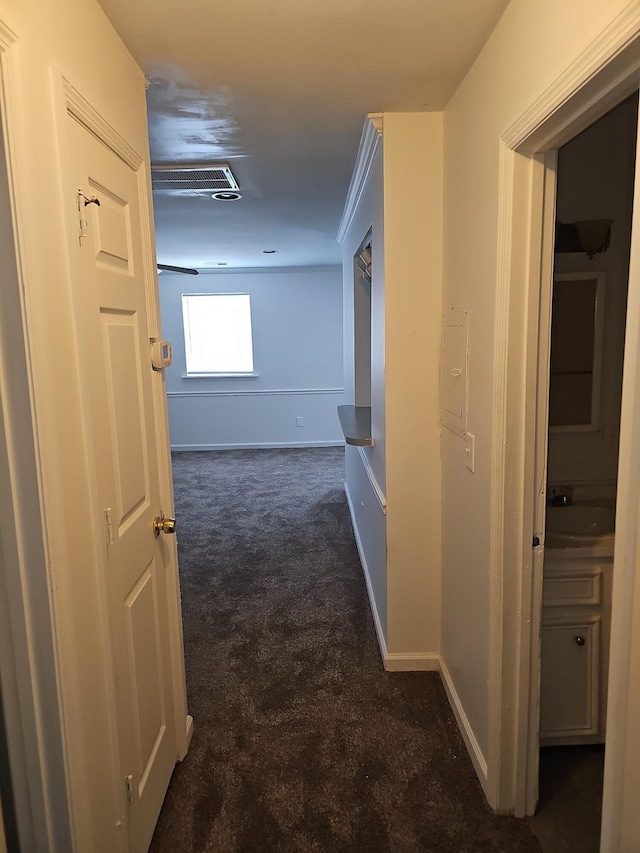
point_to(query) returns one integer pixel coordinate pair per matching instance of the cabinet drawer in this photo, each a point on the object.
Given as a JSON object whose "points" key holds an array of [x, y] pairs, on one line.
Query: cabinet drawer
{"points": [[563, 589]]}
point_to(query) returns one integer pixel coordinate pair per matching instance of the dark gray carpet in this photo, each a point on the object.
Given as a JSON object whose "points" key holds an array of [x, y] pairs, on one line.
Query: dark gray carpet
{"points": [[302, 742]]}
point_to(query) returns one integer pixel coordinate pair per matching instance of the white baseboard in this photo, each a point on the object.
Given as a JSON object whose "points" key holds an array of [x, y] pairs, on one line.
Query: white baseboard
{"points": [[412, 662], [267, 445], [473, 747], [189, 726], [382, 643]]}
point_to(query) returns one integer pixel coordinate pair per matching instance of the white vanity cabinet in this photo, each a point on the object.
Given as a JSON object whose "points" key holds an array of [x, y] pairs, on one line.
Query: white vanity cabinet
{"points": [[575, 646]]}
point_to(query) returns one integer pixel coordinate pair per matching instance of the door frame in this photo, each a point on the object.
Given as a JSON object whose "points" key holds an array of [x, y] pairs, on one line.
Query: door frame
{"points": [[599, 78], [28, 655]]}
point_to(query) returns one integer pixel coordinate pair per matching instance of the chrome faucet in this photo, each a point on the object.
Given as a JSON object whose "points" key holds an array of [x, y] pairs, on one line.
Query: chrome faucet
{"points": [[561, 497]]}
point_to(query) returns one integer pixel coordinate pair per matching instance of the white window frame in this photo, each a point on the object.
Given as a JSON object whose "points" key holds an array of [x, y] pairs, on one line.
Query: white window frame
{"points": [[237, 325]]}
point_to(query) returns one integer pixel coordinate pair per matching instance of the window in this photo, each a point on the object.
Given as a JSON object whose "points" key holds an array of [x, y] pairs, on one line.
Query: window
{"points": [[217, 333]]}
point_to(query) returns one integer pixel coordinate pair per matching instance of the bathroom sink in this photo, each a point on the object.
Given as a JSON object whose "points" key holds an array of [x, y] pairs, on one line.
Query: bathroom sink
{"points": [[579, 524]]}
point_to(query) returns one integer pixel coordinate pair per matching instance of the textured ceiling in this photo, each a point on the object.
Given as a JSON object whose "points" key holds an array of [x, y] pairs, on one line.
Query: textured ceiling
{"points": [[279, 90]]}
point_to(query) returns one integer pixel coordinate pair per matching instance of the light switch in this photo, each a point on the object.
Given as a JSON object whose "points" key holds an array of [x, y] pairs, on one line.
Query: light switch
{"points": [[470, 451]]}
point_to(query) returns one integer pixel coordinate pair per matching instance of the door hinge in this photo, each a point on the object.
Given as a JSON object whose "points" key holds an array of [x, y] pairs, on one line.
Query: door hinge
{"points": [[129, 786], [108, 526]]}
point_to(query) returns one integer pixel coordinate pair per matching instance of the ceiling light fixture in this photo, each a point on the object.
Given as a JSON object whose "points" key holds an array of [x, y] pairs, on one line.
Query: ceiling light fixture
{"points": [[227, 196], [269, 251]]}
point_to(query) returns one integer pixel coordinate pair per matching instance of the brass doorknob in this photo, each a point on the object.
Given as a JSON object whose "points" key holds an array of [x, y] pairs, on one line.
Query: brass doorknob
{"points": [[163, 524]]}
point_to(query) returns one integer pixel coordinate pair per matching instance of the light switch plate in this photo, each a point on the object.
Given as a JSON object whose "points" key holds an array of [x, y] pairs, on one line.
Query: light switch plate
{"points": [[470, 451]]}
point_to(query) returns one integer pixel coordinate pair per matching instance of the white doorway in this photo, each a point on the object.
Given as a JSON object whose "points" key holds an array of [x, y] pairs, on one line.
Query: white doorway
{"points": [[579, 396], [527, 194]]}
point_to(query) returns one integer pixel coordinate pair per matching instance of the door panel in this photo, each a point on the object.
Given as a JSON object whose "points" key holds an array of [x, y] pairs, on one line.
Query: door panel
{"points": [[126, 404], [112, 315], [570, 689]]}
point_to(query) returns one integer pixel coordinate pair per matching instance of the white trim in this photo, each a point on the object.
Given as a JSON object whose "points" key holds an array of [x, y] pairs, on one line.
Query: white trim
{"points": [[267, 445], [267, 392], [620, 825], [315, 268], [188, 734], [382, 643], [473, 747], [250, 374], [497, 618], [84, 113], [543, 206], [412, 662], [369, 142], [602, 75], [28, 653], [553, 112], [375, 485]]}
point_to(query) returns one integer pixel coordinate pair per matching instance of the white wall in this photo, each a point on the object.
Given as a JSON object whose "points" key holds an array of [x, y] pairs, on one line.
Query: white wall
{"points": [[402, 203], [297, 348], [412, 145], [533, 44], [595, 181], [366, 468]]}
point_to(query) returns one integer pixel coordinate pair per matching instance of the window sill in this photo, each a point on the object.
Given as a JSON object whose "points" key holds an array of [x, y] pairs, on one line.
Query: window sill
{"points": [[220, 375]]}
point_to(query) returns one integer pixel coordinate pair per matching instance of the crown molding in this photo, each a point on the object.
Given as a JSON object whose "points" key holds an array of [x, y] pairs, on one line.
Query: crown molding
{"points": [[369, 142], [613, 52]]}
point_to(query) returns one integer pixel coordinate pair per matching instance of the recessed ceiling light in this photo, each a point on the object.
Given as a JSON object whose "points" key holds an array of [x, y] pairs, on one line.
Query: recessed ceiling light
{"points": [[269, 251], [226, 196]]}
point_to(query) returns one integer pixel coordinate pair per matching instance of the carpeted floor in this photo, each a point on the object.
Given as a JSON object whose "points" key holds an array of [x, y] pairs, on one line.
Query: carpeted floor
{"points": [[302, 742]]}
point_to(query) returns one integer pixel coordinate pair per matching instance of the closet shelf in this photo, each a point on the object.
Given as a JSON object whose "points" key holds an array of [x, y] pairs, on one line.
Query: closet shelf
{"points": [[356, 425]]}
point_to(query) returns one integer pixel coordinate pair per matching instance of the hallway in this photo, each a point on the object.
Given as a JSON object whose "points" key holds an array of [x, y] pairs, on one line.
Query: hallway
{"points": [[301, 741]]}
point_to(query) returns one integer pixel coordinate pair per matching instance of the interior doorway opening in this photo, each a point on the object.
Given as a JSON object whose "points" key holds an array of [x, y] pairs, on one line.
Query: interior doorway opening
{"points": [[595, 179]]}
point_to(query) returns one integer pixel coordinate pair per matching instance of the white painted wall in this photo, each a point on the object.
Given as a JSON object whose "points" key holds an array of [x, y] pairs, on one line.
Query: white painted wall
{"points": [[595, 181], [297, 348], [402, 203], [412, 147], [367, 466], [534, 42]]}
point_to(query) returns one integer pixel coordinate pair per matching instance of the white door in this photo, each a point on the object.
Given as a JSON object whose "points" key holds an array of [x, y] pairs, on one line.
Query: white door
{"points": [[112, 313]]}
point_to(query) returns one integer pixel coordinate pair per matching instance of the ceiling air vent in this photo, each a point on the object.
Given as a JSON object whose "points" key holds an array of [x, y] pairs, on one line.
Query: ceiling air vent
{"points": [[180, 178]]}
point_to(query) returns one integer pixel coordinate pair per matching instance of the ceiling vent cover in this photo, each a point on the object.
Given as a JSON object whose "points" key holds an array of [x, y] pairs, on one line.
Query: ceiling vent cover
{"points": [[180, 178]]}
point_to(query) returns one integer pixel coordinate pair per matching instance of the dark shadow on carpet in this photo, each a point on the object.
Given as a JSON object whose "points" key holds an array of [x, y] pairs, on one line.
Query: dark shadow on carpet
{"points": [[302, 741]]}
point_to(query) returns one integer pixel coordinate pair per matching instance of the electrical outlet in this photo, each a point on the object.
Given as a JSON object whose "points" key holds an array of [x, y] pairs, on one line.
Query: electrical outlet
{"points": [[299, 421]]}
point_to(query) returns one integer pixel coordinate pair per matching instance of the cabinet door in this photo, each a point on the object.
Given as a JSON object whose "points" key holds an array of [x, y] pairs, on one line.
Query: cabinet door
{"points": [[570, 694]]}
